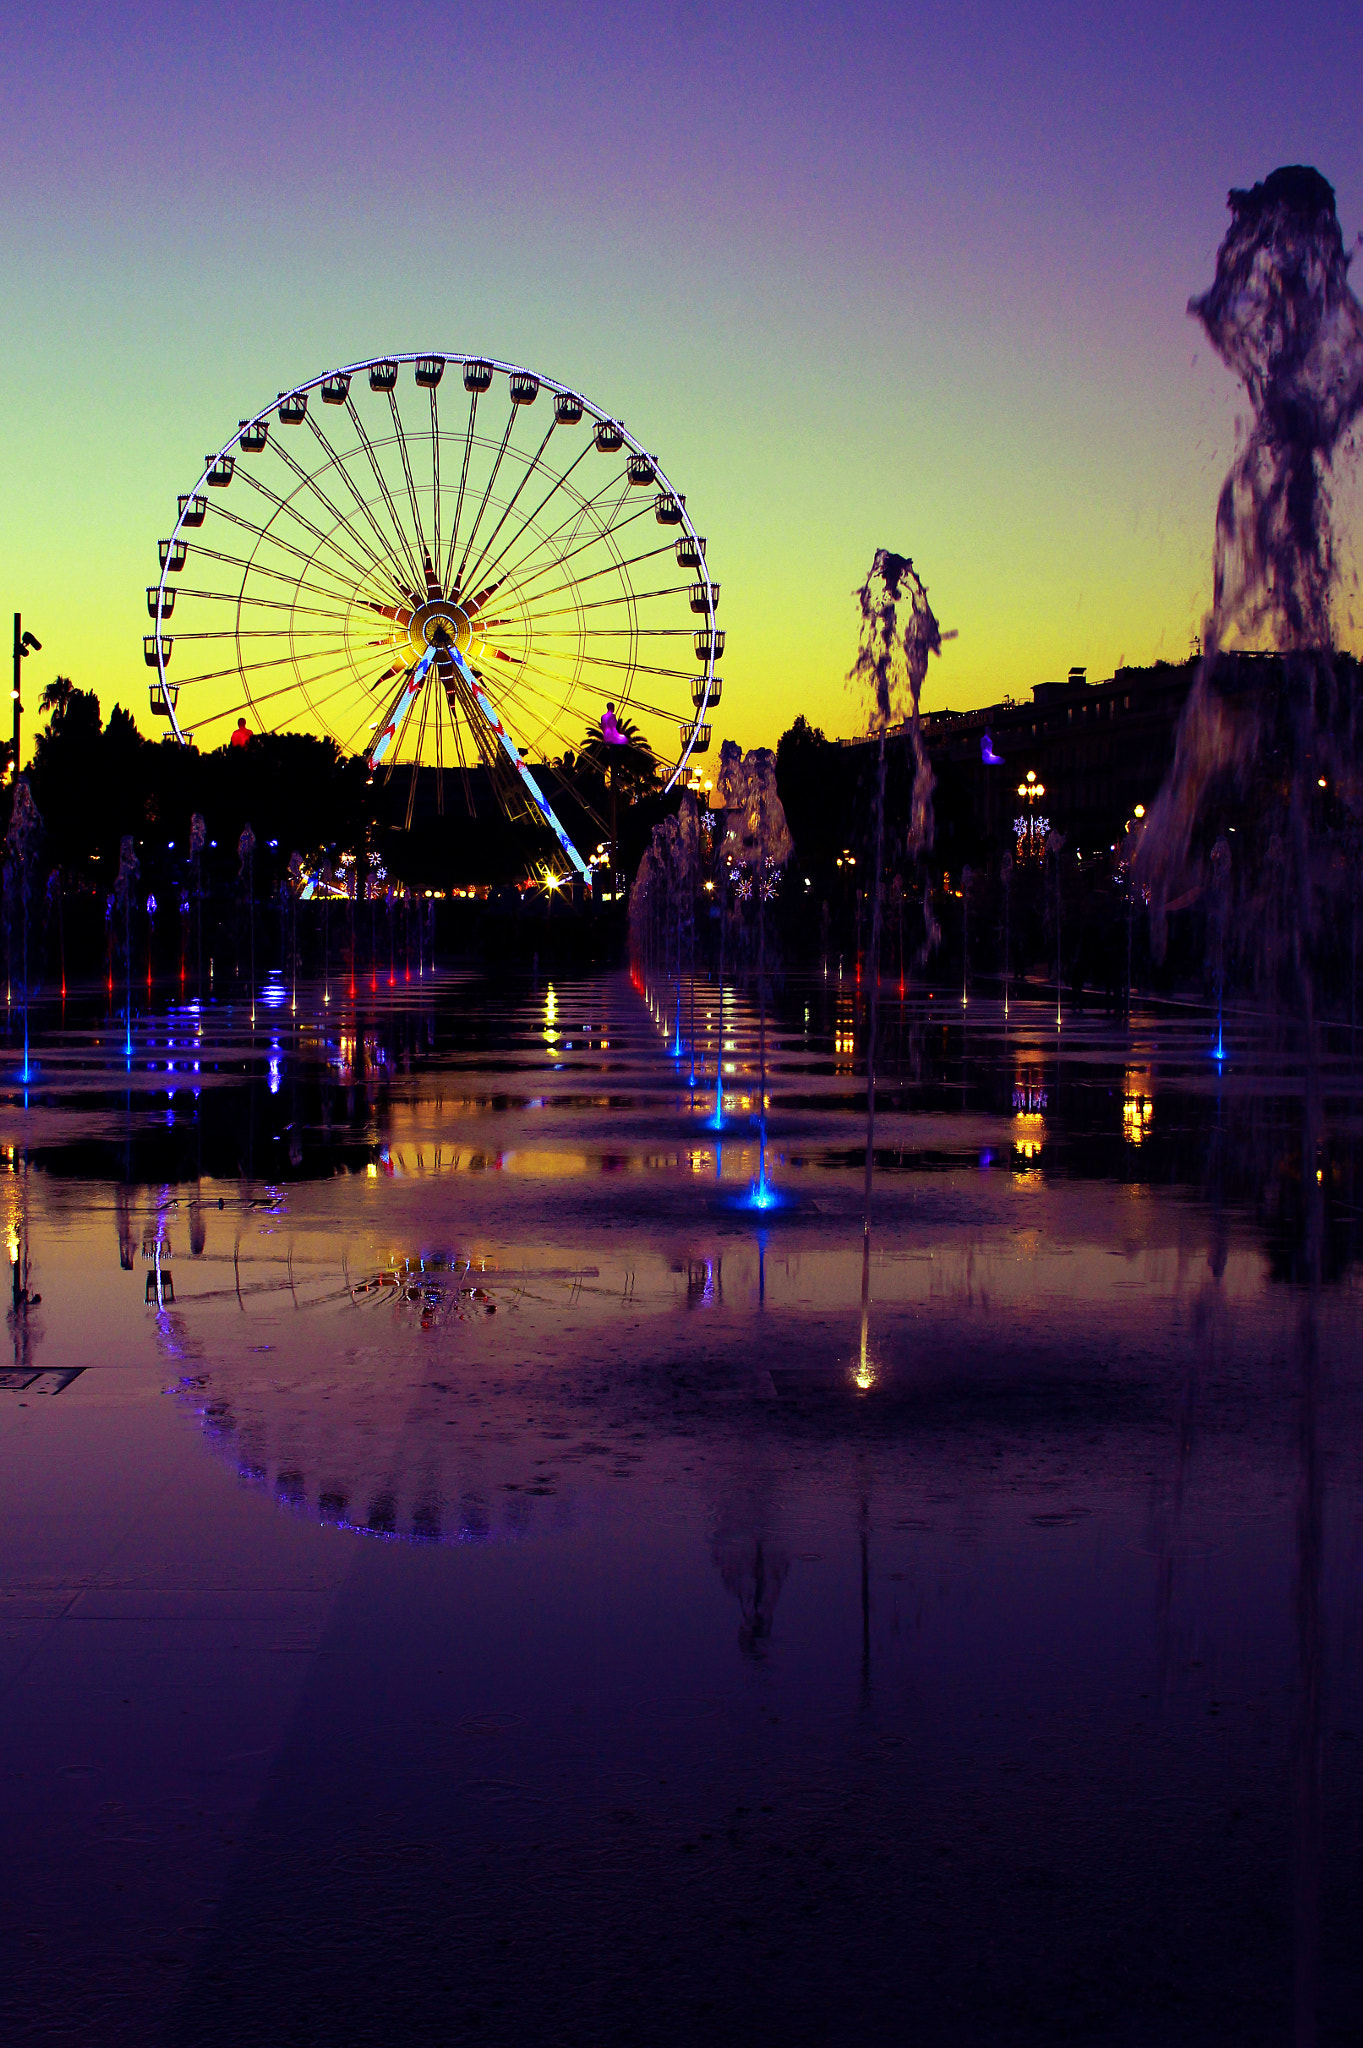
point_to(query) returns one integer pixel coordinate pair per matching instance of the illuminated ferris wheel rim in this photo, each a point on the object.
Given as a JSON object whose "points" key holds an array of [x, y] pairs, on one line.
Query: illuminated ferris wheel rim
{"points": [[263, 415]]}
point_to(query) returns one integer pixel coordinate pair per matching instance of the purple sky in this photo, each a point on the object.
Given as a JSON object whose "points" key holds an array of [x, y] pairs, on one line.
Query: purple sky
{"points": [[902, 277]]}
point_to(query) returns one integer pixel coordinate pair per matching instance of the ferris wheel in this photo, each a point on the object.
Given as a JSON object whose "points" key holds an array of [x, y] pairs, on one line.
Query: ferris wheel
{"points": [[479, 588]]}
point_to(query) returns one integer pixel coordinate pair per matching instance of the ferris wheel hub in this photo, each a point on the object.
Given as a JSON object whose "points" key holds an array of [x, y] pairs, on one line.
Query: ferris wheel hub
{"points": [[439, 623]]}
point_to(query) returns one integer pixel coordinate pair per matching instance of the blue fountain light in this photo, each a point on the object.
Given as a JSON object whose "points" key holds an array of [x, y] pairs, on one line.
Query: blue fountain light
{"points": [[761, 1194]]}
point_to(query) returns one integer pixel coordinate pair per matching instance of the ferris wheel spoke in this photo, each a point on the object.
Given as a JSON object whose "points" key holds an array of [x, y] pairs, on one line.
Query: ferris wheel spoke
{"points": [[266, 633], [457, 587], [572, 525], [316, 704], [270, 536], [256, 568], [420, 741], [418, 576], [611, 568], [456, 728], [510, 750], [366, 724], [241, 600], [254, 701], [349, 681], [411, 487], [640, 668], [531, 467], [439, 749], [369, 560], [289, 509], [401, 732], [521, 573], [217, 675], [557, 691], [616, 632], [633, 704], [396, 568], [530, 522], [463, 485], [609, 524], [553, 695], [435, 489], [601, 604]]}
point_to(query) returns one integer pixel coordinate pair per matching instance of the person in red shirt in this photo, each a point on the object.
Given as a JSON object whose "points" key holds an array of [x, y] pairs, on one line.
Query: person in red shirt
{"points": [[242, 736]]}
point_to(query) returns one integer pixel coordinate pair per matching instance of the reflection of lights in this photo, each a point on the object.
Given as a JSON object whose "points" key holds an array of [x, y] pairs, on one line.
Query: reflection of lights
{"points": [[1027, 1149], [371, 1171], [1137, 1115], [1029, 1100]]}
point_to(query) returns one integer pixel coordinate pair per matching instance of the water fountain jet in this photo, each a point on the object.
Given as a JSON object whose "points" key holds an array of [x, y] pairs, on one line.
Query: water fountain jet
{"points": [[890, 655]]}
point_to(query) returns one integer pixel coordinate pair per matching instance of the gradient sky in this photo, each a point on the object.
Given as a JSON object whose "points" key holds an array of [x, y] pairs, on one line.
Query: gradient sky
{"points": [[898, 276]]}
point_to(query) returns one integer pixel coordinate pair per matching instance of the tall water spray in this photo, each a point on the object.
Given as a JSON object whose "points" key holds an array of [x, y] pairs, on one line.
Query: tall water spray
{"points": [[1281, 315], [892, 654], [756, 845]]}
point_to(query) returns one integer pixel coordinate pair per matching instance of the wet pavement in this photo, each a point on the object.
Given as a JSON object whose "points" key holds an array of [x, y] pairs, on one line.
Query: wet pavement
{"points": [[468, 1574]]}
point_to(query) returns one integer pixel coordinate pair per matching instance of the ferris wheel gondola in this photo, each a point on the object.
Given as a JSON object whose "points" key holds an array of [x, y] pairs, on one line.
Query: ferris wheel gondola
{"points": [[457, 590]]}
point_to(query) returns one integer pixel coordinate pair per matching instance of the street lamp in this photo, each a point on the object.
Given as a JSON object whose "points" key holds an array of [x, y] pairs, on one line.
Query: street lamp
{"points": [[24, 644]]}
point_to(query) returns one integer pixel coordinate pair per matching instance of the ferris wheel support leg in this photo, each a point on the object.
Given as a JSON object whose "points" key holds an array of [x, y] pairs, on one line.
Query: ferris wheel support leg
{"points": [[387, 728], [508, 746]]}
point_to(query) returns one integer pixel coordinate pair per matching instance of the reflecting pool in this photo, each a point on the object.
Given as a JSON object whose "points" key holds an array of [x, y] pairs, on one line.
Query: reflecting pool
{"points": [[468, 1573]]}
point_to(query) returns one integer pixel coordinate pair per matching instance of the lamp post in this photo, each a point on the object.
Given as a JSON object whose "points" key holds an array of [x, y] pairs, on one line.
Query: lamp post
{"points": [[24, 643]]}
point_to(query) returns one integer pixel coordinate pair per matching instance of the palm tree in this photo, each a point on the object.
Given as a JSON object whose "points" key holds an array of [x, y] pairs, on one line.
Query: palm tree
{"points": [[56, 697], [627, 765]]}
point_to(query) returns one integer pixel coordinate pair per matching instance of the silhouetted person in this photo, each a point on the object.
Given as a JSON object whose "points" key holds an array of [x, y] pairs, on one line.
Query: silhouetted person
{"points": [[242, 736]]}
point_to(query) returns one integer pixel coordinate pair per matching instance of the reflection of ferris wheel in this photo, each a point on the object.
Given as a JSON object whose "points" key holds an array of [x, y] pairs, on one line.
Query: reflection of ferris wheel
{"points": [[450, 593]]}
